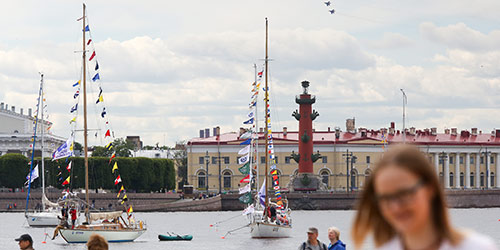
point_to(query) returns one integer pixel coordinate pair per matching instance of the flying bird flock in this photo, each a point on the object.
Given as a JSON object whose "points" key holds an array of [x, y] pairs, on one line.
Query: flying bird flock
{"points": [[328, 3]]}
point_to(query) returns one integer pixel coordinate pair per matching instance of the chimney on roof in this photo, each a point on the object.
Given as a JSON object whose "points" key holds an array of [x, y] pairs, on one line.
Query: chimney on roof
{"points": [[413, 130], [29, 111], [350, 125], [497, 133], [393, 125], [1, 105], [202, 132], [285, 132], [328, 129], [337, 132], [22, 111], [363, 132], [434, 131], [447, 131], [261, 130], [474, 131], [217, 131], [207, 132], [454, 131], [7, 107], [13, 108], [464, 133]]}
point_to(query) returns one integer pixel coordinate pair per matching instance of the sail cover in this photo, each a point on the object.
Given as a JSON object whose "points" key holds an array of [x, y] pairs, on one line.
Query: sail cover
{"points": [[105, 216], [49, 203]]}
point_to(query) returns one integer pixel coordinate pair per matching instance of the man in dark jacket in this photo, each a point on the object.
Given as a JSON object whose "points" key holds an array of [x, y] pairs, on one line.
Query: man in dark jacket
{"points": [[312, 242], [25, 242], [335, 242]]}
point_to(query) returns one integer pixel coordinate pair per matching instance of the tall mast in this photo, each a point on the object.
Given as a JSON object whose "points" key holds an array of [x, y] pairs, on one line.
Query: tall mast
{"points": [[256, 129], [43, 128], [85, 147], [267, 131]]}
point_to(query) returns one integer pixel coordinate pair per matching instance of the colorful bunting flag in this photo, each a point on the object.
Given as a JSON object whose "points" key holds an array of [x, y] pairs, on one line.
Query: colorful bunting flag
{"points": [[245, 169], [249, 121], [76, 84], [118, 180], [107, 134], [130, 210], [87, 28], [246, 179], [244, 150], [247, 142], [90, 40], [92, 56], [73, 120], [76, 94], [69, 166], [103, 113], [119, 192], [96, 65], [246, 198], [109, 146], [96, 77], [66, 182], [115, 167], [74, 108], [124, 199], [243, 159], [112, 156], [244, 189], [100, 99]]}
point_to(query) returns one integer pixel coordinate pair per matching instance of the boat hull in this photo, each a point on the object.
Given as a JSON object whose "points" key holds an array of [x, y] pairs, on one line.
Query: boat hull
{"points": [[83, 235], [267, 230], [174, 237], [42, 219]]}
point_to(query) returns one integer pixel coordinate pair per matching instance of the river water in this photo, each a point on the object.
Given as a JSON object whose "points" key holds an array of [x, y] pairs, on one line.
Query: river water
{"points": [[485, 221]]}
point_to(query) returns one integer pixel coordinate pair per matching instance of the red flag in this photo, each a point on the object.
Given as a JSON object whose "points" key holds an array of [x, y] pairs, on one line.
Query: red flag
{"points": [[246, 179], [66, 182], [107, 134], [90, 40], [92, 56], [118, 180], [112, 156], [69, 166]]}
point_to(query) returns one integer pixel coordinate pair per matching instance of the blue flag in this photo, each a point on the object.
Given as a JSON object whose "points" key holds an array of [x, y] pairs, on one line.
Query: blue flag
{"points": [[103, 112], [96, 65], [74, 108], [96, 77], [249, 121], [76, 84], [247, 142], [87, 28], [76, 94]]}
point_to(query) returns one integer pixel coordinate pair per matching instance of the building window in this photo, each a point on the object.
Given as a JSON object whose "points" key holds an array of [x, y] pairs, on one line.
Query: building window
{"points": [[492, 160], [451, 160], [482, 160], [492, 181], [462, 179], [263, 160], [287, 159], [471, 178], [276, 159], [324, 159], [354, 174], [368, 159], [472, 160], [461, 160], [481, 180], [202, 179], [227, 179], [214, 160], [325, 176], [201, 160], [451, 178], [226, 159]]}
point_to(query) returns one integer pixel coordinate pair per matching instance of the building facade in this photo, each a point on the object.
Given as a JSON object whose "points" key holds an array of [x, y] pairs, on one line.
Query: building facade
{"points": [[16, 132], [469, 159]]}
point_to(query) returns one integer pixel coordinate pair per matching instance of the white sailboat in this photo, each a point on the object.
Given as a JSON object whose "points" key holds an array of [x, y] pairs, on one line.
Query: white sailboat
{"points": [[48, 215], [111, 225], [274, 220]]}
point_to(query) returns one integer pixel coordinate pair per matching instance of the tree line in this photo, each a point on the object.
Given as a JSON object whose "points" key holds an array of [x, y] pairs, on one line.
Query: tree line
{"points": [[138, 174]]}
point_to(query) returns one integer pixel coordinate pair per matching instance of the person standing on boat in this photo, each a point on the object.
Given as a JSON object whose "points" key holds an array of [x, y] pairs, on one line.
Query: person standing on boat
{"points": [[312, 242], [335, 242], [403, 205], [73, 217], [63, 223], [25, 242]]}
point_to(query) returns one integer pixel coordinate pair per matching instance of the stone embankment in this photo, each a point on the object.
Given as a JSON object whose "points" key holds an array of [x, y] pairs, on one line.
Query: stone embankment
{"points": [[162, 202]]}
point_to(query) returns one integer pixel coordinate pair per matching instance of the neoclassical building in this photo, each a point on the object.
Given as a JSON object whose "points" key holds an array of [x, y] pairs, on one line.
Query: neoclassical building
{"points": [[468, 159], [16, 131]]}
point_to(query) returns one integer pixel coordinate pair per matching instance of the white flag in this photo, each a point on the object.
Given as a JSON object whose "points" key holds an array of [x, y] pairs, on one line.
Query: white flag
{"points": [[250, 209], [245, 189], [63, 151], [244, 150], [243, 159], [246, 135], [34, 174], [250, 114], [262, 194]]}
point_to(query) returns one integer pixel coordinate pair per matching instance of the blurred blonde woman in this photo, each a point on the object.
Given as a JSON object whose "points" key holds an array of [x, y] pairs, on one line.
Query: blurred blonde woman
{"points": [[403, 205]]}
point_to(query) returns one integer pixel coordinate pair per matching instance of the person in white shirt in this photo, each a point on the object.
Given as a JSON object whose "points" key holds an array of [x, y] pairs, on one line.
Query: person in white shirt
{"points": [[403, 205]]}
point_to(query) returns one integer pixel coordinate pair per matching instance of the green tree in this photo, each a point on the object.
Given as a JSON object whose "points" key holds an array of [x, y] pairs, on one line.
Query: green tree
{"points": [[121, 147], [180, 159]]}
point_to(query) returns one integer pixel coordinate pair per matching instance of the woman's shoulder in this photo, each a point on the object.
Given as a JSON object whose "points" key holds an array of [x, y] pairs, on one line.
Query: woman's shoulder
{"points": [[472, 240], [393, 244]]}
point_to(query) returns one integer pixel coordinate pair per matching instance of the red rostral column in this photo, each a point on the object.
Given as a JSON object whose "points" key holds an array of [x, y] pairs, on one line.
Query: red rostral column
{"points": [[305, 116]]}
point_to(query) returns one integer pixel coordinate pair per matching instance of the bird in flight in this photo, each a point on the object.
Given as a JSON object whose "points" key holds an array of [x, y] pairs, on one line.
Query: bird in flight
{"points": [[327, 3], [332, 11]]}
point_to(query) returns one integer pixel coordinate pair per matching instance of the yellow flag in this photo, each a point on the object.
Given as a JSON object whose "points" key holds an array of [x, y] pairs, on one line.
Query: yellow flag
{"points": [[101, 99], [119, 192], [71, 147], [124, 199], [130, 210], [115, 167], [73, 120]]}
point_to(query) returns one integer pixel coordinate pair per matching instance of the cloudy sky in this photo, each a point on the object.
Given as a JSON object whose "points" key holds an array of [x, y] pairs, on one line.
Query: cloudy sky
{"points": [[171, 68]]}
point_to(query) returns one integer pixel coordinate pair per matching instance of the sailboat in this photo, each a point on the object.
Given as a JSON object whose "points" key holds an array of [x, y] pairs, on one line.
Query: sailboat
{"points": [[48, 215], [111, 225], [273, 221]]}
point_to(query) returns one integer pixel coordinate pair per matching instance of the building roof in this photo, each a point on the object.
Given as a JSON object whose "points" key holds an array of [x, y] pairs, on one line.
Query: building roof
{"points": [[364, 136]]}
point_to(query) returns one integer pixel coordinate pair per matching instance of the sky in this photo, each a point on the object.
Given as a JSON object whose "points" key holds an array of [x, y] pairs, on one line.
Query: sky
{"points": [[170, 68]]}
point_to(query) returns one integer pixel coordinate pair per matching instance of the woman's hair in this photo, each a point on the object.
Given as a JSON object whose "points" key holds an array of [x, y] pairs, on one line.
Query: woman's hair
{"points": [[336, 230], [97, 242], [369, 217]]}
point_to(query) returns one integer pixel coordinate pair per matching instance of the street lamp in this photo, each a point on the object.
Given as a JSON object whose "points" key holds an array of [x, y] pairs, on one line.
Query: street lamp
{"points": [[404, 114], [207, 160]]}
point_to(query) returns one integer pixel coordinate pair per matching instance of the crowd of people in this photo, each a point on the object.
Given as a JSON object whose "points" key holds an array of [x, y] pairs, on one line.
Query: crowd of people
{"points": [[95, 242]]}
